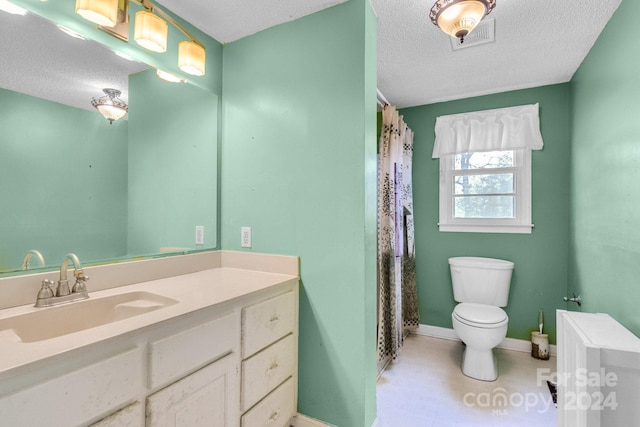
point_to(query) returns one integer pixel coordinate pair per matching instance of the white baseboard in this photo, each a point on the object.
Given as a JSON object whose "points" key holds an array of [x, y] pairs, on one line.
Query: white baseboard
{"points": [[449, 334], [300, 420]]}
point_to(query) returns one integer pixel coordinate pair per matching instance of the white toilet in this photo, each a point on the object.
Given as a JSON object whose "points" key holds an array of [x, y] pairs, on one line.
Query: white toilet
{"points": [[481, 286]]}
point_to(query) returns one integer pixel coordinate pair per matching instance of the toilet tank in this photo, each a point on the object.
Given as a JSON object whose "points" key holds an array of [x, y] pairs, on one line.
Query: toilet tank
{"points": [[481, 280]]}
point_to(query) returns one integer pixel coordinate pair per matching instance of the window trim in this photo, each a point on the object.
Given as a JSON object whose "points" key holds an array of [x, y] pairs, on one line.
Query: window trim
{"points": [[521, 224]]}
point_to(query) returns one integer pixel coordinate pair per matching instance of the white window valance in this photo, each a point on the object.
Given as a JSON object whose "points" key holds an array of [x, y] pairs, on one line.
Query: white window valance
{"points": [[510, 128]]}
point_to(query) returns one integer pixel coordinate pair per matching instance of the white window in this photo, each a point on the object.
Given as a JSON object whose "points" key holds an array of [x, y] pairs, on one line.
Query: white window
{"points": [[486, 191], [485, 169]]}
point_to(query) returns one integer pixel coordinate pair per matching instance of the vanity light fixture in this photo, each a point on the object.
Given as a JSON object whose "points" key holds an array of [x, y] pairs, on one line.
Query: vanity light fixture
{"points": [[11, 8], [101, 12], [110, 105], [191, 57], [459, 17], [150, 29], [70, 32], [168, 77], [191, 53]]}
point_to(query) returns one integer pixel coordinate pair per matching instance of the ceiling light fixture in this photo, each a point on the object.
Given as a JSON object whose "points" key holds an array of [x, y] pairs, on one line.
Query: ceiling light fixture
{"points": [[150, 29], [110, 105], [101, 12], [459, 17]]}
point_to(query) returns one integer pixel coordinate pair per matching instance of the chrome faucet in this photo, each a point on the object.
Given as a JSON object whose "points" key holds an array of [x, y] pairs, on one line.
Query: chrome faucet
{"points": [[63, 283], [47, 297], [27, 259]]}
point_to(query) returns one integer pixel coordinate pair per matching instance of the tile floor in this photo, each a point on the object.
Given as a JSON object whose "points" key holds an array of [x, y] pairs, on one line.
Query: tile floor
{"points": [[426, 388]]}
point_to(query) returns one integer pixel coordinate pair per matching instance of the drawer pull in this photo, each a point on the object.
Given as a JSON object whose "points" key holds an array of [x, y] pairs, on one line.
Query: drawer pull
{"points": [[274, 416], [272, 368], [274, 319]]}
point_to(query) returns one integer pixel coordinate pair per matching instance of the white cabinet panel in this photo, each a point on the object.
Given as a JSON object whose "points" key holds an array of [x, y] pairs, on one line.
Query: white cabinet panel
{"points": [[77, 397], [130, 416], [275, 410], [172, 357], [205, 398], [266, 322], [266, 370]]}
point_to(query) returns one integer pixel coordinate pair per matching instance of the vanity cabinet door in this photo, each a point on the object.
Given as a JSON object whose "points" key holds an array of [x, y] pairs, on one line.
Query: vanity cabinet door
{"points": [[207, 397]]}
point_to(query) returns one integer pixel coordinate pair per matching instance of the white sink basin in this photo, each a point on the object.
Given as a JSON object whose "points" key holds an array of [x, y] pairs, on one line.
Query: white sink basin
{"points": [[52, 322]]}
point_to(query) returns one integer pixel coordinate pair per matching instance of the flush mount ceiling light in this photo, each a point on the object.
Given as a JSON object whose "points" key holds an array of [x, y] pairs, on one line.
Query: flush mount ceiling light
{"points": [[110, 105], [459, 17], [150, 29]]}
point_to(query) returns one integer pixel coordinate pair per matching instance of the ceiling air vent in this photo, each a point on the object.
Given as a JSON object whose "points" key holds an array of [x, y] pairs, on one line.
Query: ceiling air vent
{"points": [[483, 33]]}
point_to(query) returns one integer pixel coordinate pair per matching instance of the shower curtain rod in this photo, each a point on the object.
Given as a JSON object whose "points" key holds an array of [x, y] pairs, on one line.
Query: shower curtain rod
{"points": [[382, 101]]}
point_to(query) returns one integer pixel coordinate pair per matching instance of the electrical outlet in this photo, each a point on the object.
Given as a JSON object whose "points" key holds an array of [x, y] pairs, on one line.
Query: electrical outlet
{"points": [[199, 234], [245, 237]]}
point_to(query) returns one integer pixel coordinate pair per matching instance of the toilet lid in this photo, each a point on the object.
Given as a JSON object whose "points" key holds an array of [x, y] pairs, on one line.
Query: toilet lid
{"points": [[480, 313]]}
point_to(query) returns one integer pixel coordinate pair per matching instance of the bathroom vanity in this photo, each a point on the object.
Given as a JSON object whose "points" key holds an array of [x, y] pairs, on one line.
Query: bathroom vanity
{"points": [[216, 346]]}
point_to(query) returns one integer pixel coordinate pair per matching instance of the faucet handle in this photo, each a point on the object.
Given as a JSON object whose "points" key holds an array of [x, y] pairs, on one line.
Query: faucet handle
{"points": [[79, 286], [45, 293]]}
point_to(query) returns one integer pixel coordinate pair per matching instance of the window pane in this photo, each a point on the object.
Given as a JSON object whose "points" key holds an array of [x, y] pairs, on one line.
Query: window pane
{"points": [[483, 160], [495, 183], [484, 207]]}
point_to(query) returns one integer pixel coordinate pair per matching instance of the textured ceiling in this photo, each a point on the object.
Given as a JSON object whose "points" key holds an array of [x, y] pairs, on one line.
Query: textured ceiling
{"points": [[42, 61], [536, 43]]}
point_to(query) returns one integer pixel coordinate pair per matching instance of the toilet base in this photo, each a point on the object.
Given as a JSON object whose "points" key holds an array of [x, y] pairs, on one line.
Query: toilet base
{"points": [[480, 364]]}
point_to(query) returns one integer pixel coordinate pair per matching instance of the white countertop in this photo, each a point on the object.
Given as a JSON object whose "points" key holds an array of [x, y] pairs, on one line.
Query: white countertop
{"points": [[193, 291]]}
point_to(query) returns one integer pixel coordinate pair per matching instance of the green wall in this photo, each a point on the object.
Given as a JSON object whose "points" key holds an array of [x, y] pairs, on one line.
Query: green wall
{"points": [[540, 275], [173, 130], [605, 242], [298, 166], [64, 182]]}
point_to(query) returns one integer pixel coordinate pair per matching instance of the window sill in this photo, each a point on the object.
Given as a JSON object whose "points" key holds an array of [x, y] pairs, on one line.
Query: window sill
{"points": [[471, 228]]}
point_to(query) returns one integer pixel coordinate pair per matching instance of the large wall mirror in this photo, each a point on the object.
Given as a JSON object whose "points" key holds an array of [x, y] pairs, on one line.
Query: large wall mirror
{"points": [[72, 182]]}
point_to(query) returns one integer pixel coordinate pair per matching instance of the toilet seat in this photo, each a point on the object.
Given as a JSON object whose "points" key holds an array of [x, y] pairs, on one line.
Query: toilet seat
{"points": [[480, 315]]}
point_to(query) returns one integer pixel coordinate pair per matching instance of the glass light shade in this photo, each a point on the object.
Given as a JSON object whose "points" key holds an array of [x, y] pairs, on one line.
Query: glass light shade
{"points": [[168, 77], [101, 12], [150, 31], [110, 105], [191, 58], [459, 17], [111, 112]]}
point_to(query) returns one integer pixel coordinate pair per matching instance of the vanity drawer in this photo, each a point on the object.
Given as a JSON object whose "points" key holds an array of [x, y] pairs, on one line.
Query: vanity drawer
{"points": [[275, 410], [267, 369], [266, 322], [172, 357]]}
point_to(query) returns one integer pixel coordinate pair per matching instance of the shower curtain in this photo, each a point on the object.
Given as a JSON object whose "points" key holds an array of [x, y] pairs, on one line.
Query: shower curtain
{"points": [[397, 291]]}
